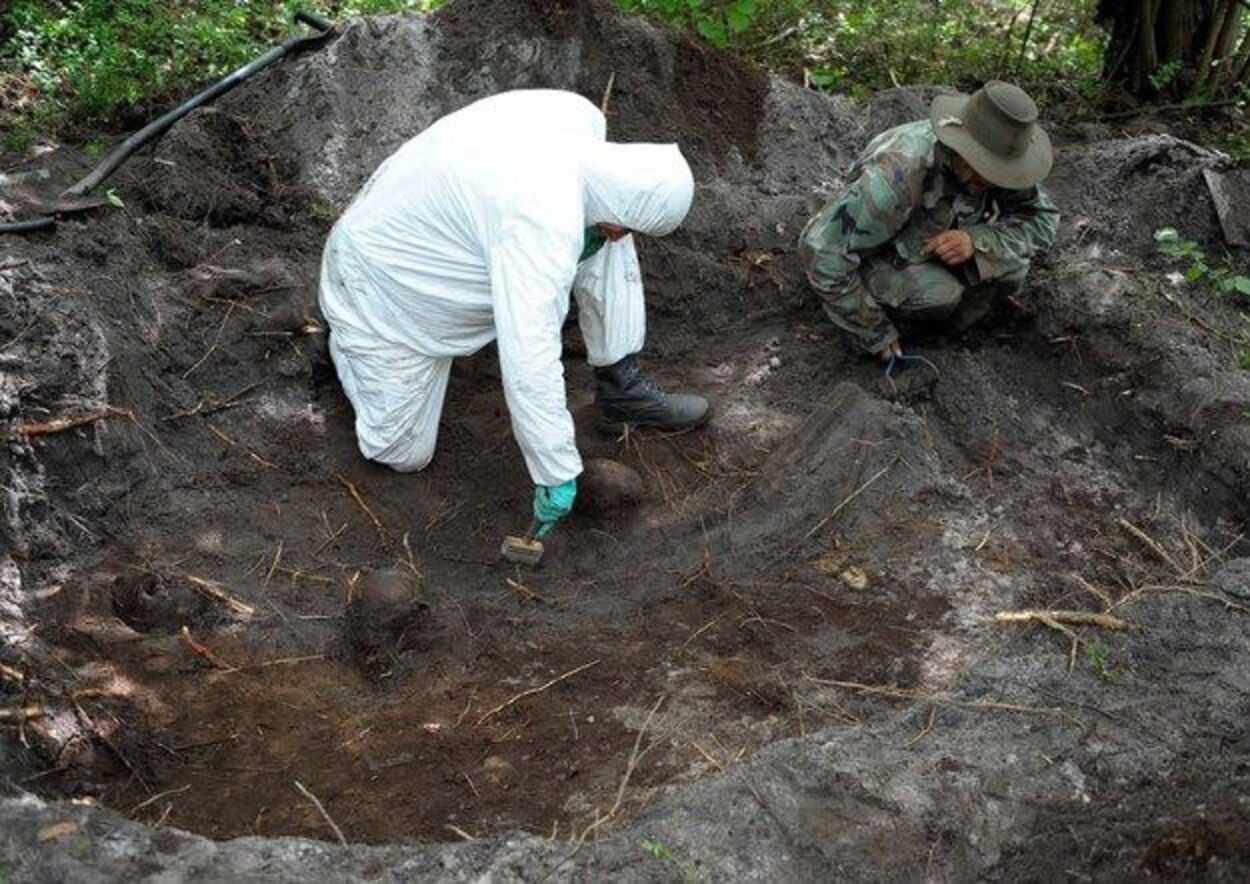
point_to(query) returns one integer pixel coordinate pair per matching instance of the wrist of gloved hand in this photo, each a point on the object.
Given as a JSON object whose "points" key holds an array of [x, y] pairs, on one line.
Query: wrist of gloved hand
{"points": [[552, 503]]}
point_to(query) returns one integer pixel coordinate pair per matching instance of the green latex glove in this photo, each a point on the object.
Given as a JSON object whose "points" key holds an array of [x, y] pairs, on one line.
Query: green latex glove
{"points": [[551, 504], [592, 242]]}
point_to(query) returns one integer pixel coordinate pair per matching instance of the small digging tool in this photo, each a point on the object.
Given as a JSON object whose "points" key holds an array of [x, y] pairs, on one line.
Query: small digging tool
{"points": [[525, 550]]}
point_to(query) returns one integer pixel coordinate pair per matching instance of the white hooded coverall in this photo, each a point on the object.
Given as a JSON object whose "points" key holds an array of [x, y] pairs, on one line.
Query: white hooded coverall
{"points": [[471, 232]]}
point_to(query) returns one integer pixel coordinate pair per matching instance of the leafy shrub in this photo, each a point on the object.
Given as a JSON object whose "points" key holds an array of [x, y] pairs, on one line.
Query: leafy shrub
{"points": [[1199, 268], [864, 45]]}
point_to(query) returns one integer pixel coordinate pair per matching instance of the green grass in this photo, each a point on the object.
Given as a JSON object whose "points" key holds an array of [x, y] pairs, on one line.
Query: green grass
{"points": [[657, 850], [1099, 661], [69, 65]]}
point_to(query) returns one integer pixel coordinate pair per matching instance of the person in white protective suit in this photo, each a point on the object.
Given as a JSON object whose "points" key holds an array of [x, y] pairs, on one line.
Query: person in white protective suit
{"points": [[477, 230]]}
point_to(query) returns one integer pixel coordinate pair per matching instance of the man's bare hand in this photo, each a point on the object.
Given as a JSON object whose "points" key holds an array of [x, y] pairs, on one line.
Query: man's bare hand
{"points": [[952, 247]]}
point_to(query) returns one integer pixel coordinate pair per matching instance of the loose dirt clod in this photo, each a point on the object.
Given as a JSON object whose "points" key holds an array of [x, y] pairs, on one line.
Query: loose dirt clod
{"points": [[606, 485]]}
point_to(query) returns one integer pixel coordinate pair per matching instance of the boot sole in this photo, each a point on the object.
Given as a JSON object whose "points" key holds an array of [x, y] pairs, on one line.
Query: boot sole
{"points": [[609, 427]]}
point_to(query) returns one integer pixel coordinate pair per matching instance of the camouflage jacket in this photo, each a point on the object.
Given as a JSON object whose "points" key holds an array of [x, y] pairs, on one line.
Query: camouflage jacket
{"points": [[903, 191]]}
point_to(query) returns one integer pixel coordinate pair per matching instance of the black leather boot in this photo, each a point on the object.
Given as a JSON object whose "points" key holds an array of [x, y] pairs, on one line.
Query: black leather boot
{"points": [[627, 398]]}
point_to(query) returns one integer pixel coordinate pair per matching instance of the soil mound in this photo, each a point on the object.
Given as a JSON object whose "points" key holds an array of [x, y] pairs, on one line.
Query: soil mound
{"points": [[793, 627]]}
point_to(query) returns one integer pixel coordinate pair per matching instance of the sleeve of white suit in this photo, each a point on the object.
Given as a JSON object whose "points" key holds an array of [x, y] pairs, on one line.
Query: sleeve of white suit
{"points": [[531, 272]]}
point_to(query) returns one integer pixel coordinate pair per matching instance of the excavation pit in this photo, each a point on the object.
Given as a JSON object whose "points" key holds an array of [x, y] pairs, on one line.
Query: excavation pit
{"points": [[782, 659]]}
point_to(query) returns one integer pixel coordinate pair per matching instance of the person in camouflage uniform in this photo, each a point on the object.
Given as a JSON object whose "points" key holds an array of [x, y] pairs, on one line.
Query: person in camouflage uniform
{"points": [[941, 216]]}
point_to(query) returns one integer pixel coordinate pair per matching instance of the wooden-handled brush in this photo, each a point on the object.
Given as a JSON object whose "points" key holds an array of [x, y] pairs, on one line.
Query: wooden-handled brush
{"points": [[525, 550]]}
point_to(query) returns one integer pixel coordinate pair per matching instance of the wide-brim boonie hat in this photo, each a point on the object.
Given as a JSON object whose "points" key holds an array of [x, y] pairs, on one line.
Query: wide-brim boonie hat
{"points": [[995, 129]]}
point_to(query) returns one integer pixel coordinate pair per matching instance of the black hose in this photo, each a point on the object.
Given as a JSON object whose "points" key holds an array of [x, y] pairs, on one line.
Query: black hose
{"points": [[30, 225], [159, 126]]}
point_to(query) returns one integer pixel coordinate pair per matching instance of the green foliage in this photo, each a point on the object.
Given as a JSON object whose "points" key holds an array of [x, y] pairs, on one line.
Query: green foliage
{"points": [[657, 850], [1099, 661], [1172, 244], [1221, 276], [863, 45], [1237, 146], [720, 22], [1165, 75], [82, 60]]}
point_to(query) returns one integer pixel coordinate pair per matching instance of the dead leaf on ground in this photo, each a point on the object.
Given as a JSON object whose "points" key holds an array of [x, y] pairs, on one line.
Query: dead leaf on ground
{"points": [[57, 831], [830, 563], [855, 578]]}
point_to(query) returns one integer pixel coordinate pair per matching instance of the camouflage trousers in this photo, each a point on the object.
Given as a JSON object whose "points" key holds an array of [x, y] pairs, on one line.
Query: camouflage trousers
{"points": [[922, 293]]}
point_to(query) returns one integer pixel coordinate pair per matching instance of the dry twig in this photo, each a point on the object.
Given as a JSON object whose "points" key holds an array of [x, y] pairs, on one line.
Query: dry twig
{"points": [[1071, 618], [607, 94], [631, 765], [283, 661], [845, 503], [210, 404], [20, 715], [364, 507], [8, 673], [212, 347], [926, 729], [157, 797], [61, 424], [914, 694], [211, 590], [277, 557], [532, 691], [203, 651], [338, 833], [1153, 545]]}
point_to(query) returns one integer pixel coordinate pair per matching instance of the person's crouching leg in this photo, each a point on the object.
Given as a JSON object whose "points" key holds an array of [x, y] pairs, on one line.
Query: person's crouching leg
{"points": [[980, 298], [612, 316], [398, 399]]}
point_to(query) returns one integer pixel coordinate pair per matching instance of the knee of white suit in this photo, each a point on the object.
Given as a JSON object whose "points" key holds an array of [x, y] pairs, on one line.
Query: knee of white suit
{"points": [[408, 455]]}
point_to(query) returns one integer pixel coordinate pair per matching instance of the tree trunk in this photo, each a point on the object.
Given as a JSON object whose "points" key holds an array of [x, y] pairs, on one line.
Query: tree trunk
{"points": [[1223, 47], [1160, 47]]}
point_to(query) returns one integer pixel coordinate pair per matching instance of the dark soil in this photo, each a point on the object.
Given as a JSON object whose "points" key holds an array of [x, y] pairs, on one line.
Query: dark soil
{"points": [[816, 555]]}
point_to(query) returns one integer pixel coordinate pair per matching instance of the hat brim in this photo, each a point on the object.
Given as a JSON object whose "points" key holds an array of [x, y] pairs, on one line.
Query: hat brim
{"points": [[946, 113]]}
